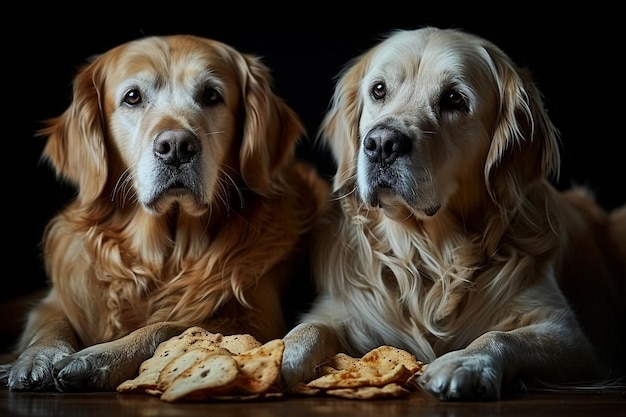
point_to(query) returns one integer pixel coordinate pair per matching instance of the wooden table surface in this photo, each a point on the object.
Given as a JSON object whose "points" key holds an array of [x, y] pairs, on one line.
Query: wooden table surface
{"points": [[552, 404], [591, 403]]}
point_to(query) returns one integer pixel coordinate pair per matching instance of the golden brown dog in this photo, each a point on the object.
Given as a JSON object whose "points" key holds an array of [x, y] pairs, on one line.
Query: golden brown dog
{"points": [[447, 238], [191, 210]]}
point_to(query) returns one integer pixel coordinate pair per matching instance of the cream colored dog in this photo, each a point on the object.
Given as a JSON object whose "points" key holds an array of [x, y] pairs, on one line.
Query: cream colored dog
{"points": [[446, 237]]}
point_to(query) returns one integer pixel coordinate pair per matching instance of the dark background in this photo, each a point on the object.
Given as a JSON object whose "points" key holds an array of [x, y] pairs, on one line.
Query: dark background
{"points": [[576, 57]]}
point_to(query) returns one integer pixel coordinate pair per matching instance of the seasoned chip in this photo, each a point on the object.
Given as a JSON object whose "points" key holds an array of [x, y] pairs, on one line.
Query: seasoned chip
{"points": [[203, 374], [210, 373], [193, 338], [185, 361], [146, 381], [239, 343], [340, 361], [198, 365], [384, 372], [388, 357], [150, 369], [197, 337], [366, 376], [259, 368]]}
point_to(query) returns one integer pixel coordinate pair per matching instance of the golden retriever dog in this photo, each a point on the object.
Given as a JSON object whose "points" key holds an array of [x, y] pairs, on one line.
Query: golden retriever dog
{"points": [[191, 209], [447, 237]]}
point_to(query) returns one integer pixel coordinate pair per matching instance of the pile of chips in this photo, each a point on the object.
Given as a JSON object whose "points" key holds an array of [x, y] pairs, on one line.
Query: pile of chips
{"points": [[383, 372], [198, 365]]}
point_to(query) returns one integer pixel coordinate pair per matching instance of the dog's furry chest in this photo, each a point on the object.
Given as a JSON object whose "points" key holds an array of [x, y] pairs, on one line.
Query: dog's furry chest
{"points": [[405, 288], [145, 275]]}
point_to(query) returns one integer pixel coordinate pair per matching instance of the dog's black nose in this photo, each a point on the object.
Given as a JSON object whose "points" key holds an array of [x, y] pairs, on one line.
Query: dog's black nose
{"points": [[384, 145], [176, 147]]}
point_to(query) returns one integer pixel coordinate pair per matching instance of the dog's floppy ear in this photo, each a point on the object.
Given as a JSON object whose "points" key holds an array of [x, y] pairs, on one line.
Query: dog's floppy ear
{"points": [[75, 144], [271, 129], [339, 129], [524, 146]]}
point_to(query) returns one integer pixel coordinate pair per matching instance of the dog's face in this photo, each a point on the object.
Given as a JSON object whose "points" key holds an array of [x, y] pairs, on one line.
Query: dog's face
{"points": [[425, 119], [167, 121]]}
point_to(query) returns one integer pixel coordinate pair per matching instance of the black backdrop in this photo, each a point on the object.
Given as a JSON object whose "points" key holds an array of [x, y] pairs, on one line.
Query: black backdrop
{"points": [[575, 56]]}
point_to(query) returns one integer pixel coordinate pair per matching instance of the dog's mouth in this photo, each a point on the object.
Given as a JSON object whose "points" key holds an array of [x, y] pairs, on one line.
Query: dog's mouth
{"points": [[176, 187], [386, 198], [177, 193], [392, 176], [176, 190], [394, 187]]}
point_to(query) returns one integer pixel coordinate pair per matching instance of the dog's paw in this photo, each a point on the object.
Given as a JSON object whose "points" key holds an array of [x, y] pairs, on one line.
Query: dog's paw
{"points": [[94, 369], [460, 375], [297, 364], [306, 346], [33, 369], [80, 372]]}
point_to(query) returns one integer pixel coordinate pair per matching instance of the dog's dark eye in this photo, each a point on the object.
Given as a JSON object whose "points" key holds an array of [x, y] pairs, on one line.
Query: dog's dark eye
{"points": [[453, 100], [379, 91], [133, 97], [211, 96]]}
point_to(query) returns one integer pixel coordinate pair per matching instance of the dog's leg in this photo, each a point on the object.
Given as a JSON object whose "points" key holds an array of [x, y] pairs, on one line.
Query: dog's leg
{"points": [[474, 372], [306, 346], [540, 352], [33, 369], [104, 366]]}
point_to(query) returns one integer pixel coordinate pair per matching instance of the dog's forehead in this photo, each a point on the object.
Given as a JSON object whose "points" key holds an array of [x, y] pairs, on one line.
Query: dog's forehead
{"points": [[174, 57], [409, 53]]}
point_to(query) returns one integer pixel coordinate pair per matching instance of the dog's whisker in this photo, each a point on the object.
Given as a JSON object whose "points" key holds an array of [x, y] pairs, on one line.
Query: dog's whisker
{"points": [[223, 195], [123, 184], [236, 187], [345, 194]]}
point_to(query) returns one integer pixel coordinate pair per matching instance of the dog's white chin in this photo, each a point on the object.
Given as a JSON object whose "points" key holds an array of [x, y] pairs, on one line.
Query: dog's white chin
{"points": [[183, 203], [396, 208]]}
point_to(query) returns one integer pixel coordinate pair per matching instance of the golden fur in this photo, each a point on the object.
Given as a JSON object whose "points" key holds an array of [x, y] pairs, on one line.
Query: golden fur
{"points": [[447, 238], [190, 210]]}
